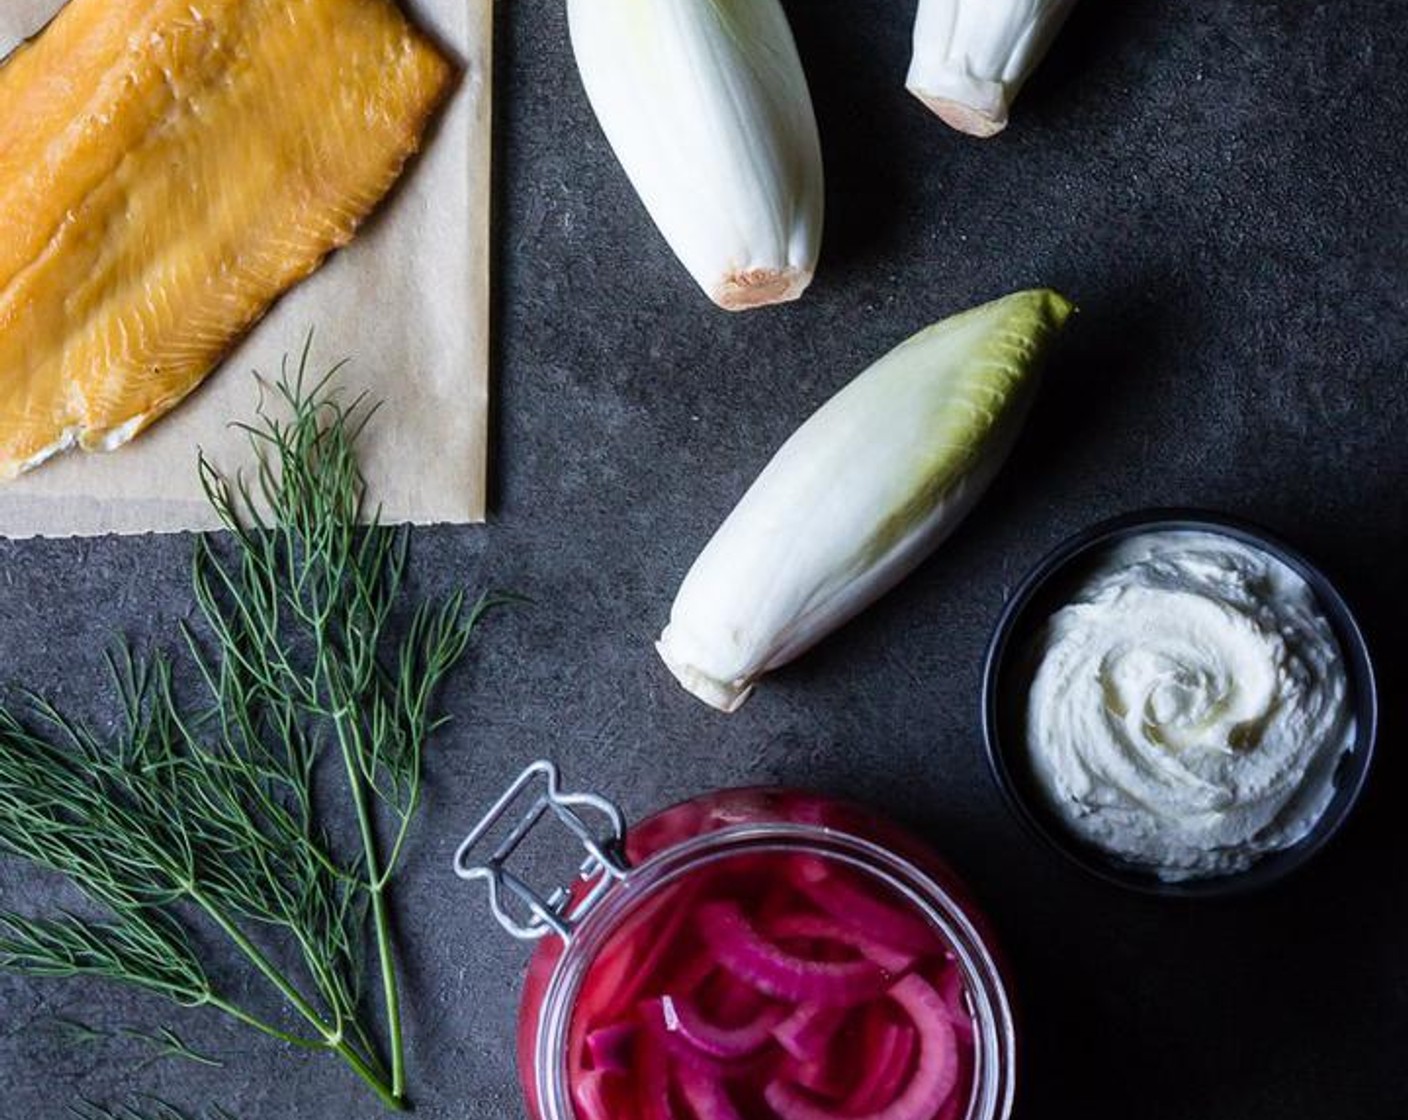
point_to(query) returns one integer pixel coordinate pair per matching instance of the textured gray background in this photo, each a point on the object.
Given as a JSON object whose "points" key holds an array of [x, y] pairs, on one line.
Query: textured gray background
{"points": [[1219, 183]]}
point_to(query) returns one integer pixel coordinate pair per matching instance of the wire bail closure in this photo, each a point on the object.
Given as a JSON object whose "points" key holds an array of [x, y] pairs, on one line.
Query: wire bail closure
{"points": [[560, 912]]}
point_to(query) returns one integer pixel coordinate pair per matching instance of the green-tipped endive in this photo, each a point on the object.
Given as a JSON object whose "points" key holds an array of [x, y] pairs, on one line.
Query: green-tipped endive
{"points": [[707, 108], [859, 495], [972, 56]]}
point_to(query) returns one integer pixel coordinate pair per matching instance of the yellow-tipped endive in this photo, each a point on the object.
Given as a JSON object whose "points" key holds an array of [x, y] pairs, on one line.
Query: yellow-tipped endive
{"points": [[707, 108], [859, 495], [972, 56]]}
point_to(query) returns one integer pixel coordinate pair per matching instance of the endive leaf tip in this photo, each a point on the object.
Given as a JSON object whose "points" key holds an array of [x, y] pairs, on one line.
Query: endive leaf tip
{"points": [[1042, 304], [1038, 311], [1059, 306]]}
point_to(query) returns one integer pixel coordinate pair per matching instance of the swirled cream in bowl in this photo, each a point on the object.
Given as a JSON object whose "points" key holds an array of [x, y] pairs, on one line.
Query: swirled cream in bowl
{"points": [[1183, 704]]}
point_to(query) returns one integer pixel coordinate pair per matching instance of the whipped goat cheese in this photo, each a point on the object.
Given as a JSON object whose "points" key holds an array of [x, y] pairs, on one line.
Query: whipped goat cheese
{"points": [[1190, 706]]}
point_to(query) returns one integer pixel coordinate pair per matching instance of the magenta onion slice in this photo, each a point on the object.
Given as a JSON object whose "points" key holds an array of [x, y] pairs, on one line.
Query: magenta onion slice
{"points": [[950, 987], [731, 1002], [619, 976], [589, 1093], [775, 972], [706, 1096], [955, 1108], [610, 1047], [681, 1017], [819, 926], [653, 1085], [671, 911], [887, 1061], [935, 1075], [820, 1076], [806, 1034], [854, 906], [681, 1051], [692, 975]]}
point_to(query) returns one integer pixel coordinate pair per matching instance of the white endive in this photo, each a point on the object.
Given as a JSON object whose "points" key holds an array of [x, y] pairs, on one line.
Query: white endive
{"points": [[972, 56], [707, 108], [859, 495]]}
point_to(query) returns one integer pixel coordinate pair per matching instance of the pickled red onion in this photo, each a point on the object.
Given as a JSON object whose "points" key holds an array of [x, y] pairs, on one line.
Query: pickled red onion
{"points": [[888, 1055], [954, 1108], [730, 1002], [934, 1079], [654, 1084], [950, 987], [820, 1076], [692, 974], [775, 972], [807, 1032], [706, 1096], [857, 908], [610, 1047], [676, 903], [799, 924], [766, 1002], [617, 978], [590, 1096], [680, 1016]]}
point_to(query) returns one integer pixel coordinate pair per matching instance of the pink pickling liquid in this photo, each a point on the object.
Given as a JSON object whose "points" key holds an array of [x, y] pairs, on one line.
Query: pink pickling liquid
{"points": [[770, 985]]}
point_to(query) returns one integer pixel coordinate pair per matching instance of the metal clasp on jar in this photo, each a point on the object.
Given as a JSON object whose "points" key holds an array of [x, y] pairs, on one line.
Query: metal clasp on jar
{"points": [[562, 910]]}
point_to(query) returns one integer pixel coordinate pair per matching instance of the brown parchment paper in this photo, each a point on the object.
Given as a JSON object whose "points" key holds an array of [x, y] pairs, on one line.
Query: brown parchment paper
{"points": [[407, 301]]}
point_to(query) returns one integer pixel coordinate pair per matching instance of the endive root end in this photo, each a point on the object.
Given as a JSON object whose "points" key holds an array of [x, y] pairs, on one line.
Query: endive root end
{"points": [[759, 287], [962, 117], [723, 695]]}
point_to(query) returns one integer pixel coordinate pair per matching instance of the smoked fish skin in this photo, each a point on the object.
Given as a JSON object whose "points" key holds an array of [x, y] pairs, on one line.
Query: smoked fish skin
{"points": [[167, 170]]}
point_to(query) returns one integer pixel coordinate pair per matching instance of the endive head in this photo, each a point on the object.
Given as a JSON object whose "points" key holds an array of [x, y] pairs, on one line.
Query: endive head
{"points": [[706, 106], [859, 495], [971, 57]]}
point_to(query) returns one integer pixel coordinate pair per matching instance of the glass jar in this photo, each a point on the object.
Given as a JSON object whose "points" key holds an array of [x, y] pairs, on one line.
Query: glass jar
{"points": [[764, 954]]}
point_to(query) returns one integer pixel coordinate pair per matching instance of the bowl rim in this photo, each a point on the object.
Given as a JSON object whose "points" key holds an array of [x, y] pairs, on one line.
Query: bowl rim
{"points": [[1013, 623]]}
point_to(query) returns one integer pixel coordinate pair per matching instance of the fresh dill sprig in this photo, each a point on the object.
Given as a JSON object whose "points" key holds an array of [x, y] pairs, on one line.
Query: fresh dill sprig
{"points": [[200, 817], [165, 1042]]}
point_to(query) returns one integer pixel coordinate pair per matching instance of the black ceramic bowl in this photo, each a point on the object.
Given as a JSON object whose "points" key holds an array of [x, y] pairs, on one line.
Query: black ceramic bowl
{"points": [[1012, 662]]}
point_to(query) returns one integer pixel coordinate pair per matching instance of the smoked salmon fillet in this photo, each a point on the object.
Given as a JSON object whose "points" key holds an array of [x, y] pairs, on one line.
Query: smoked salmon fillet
{"points": [[167, 169]]}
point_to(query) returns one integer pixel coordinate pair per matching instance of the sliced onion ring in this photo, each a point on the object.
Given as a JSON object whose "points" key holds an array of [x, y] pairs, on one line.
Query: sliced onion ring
{"points": [[825, 928], [772, 970], [935, 1075], [680, 1016]]}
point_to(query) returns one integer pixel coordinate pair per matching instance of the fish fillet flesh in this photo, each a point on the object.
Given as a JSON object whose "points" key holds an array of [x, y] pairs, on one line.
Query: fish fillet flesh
{"points": [[167, 169]]}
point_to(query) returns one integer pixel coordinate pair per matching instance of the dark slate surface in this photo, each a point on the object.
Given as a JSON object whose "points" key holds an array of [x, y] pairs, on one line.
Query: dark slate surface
{"points": [[1219, 184]]}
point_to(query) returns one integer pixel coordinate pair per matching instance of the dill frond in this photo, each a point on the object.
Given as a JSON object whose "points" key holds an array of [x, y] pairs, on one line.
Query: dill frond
{"points": [[198, 817]]}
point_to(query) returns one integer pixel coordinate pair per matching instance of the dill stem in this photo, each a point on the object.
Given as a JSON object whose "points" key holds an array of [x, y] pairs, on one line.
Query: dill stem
{"points": [[390, 991], [241, 1015], [331, 1039], [265, 966], [346, 733], [359, 1066]]}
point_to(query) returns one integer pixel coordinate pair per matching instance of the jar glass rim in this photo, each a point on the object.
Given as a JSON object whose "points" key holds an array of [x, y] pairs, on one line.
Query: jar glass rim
{"points": [[994, 1081]]}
